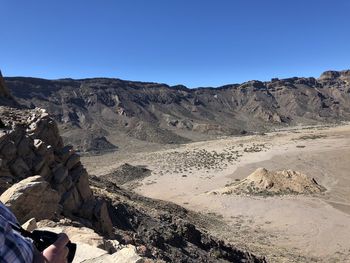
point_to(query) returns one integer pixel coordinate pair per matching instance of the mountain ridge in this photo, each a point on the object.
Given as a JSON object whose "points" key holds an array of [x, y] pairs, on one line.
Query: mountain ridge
{"points": [[158, 113]]}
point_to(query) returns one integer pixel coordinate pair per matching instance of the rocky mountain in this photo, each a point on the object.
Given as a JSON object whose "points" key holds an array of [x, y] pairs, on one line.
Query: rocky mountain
{"points": [[95, 114], [41, 179]]}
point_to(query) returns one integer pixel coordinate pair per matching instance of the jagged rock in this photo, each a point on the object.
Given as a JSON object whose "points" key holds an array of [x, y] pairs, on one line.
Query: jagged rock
{"points": [[72, 161], [65, 186], [19, 168], [30, 225], [31, 197], [71, 201], [103, 221], [8, 150], [65, 153], [24, 147], [6, 180], [82, 183], [45, 172], [40, 146], [59, 174], [49, 155], [38, 163], [47, 131]]}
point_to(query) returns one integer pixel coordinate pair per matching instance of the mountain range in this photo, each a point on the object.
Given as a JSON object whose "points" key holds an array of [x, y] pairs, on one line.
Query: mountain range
{"points": [[100, 114]]}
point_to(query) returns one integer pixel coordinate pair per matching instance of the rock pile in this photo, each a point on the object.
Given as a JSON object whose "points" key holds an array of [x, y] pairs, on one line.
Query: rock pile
{"points": [[32, 198], [30, 145], [265, 183]]}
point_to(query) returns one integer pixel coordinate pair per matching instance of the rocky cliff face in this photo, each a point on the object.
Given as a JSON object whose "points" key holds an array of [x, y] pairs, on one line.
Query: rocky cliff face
{"points": [[40, 177], [97, 108]]}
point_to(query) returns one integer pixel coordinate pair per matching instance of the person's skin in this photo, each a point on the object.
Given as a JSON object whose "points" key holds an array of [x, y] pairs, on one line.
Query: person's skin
{"points": [[55, 253]]}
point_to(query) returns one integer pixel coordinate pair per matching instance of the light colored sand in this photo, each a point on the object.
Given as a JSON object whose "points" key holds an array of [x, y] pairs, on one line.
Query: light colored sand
{"points": [[287, 229]]}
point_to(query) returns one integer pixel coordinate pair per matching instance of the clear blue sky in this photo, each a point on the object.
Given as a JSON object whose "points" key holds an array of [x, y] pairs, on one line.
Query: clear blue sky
{"points": [[190, 42]]}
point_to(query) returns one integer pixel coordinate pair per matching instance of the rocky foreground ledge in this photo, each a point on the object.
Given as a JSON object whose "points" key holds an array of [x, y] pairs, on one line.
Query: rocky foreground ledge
{"points": [[46, 186]]}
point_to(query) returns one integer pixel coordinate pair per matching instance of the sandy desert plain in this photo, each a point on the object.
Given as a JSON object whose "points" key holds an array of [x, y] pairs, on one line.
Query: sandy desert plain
{"points": [[284, 228]]}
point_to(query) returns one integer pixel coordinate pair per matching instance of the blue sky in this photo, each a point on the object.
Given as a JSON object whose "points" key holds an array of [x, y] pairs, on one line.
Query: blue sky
{"points": [[190, 42]]}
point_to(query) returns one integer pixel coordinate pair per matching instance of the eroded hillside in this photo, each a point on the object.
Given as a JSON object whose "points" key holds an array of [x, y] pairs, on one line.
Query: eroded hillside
{"points": [[100, 113]]}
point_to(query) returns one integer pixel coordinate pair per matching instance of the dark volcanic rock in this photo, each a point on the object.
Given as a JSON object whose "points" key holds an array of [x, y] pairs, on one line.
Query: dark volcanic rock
{"points": [[98, 144], [126, 173], [166, 230]]}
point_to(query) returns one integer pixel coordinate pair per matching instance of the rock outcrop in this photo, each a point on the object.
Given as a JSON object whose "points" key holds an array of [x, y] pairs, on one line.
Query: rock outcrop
{"points": [[127, 173], [30, 145], [163, 230], [31, 198], [267, 183]]}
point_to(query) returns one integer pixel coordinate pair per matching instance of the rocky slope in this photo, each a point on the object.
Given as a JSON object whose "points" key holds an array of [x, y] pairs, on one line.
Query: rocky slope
{"points": [[87, 109], [42, 178]]}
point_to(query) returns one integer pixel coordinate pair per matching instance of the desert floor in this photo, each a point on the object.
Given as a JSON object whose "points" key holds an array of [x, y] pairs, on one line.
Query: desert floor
{"points": [[284, 228]]}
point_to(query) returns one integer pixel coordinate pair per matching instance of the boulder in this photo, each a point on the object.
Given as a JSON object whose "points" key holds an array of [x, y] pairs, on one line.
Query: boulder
{"points": [[45, 172], [19, 168], [8, 150], [38, 163], [64, 153], [71, 201], [103, 222], [81, 181], [31, 197], [87, 253], [30, 225], [24, 146], [96, 211], [40, 146], [72, 161], [125, 255], [59, 174]]}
